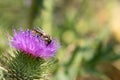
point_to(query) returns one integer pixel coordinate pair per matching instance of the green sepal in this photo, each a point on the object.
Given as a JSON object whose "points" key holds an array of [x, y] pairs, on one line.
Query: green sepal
{"points": [[25, 67]]}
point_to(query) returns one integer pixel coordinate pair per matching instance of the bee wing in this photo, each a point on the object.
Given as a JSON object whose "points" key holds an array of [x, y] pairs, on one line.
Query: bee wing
{"points": [[39, 29]]}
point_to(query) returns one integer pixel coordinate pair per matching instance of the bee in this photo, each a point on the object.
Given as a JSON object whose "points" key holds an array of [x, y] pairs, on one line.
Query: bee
{"points": [[42, 34]]}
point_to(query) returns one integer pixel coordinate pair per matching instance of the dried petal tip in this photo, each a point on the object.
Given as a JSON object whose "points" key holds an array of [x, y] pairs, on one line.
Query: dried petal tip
{"points": [[33, 44]]}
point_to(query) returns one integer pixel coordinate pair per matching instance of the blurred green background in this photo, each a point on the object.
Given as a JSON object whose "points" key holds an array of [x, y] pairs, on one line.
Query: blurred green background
{"points": [[88, 31]]}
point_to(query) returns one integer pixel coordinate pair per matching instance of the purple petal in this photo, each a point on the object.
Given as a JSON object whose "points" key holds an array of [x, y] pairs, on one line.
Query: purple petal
{"points": [[33, 44]]}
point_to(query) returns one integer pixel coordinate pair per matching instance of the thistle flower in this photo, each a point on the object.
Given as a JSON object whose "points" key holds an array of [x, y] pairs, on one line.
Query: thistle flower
{"points": [[32, 44]]}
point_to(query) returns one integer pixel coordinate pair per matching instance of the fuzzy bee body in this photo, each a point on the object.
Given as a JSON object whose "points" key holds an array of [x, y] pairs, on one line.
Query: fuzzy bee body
{"points": [[42, 34]]}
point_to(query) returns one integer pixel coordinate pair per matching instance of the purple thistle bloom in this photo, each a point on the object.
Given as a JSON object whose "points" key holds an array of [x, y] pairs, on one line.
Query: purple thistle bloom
{"points": [[33, 44]]}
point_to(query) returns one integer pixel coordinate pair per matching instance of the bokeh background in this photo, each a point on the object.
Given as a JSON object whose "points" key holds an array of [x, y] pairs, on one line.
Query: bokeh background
{"points": [[88, 31]]}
